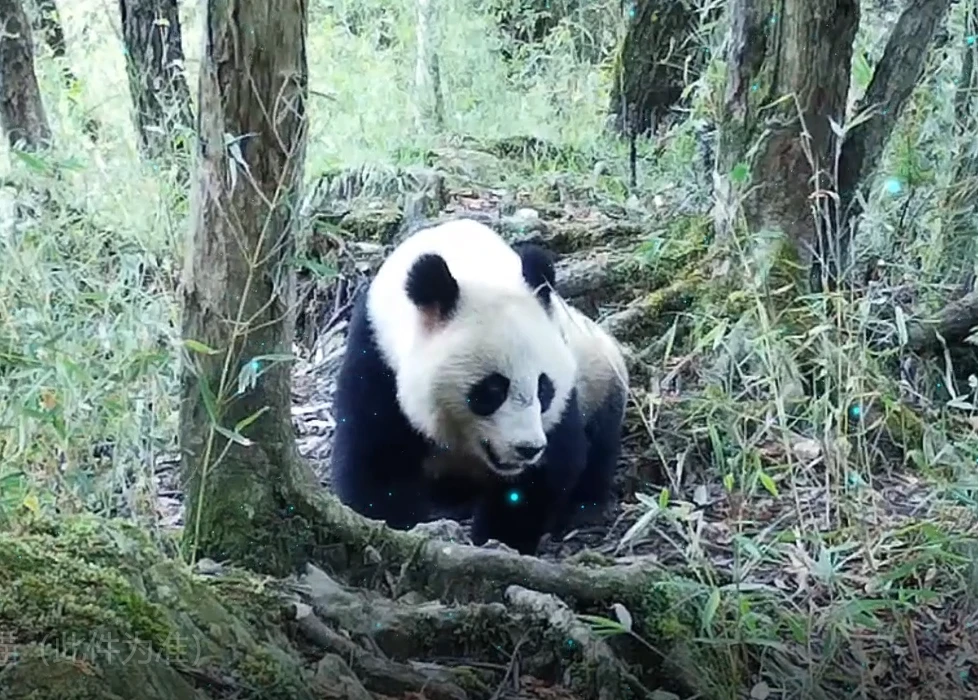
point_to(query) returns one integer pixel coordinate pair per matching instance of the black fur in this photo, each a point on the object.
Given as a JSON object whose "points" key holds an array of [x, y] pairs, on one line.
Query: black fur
{"points": [[377, 455], [488, 394], [593, 489], [538, 270], [430, 284]]}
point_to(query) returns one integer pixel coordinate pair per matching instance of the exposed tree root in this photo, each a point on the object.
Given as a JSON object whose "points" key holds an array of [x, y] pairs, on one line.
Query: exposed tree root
{"points": [[373, 556], [210, 634], [954, 323], [531, 620]]}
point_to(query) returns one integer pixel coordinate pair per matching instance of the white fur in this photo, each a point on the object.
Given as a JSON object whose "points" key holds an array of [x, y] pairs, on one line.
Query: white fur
{"points": [[499, 325], [600, 363]]}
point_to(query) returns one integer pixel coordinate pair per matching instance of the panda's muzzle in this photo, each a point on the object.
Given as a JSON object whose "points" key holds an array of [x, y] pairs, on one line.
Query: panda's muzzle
{"points": [[528, 452]]}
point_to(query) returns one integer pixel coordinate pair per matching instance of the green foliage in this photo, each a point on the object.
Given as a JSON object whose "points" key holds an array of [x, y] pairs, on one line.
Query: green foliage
{"points": [[816, 493]]}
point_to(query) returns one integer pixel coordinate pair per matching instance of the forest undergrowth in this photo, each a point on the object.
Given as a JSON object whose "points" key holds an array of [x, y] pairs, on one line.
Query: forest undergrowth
{"points": [[809, 481]]}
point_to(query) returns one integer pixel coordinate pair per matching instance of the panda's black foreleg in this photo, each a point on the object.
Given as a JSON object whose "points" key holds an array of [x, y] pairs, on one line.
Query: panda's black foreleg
{"points": [[377, 456], [520, 512], [517, 514], [593, 491], [402, 502]]}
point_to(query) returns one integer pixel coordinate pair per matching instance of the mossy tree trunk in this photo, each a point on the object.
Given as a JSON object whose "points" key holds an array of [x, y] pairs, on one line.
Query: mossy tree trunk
{"points": [[22, 113], [787, 82], [154, 61], [961, 197], [239, 286], [656, 53], [894, 79]]}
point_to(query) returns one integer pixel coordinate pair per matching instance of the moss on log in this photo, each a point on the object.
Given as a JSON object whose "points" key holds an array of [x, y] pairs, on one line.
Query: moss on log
{"points": [[96, 608], [90, 608]]}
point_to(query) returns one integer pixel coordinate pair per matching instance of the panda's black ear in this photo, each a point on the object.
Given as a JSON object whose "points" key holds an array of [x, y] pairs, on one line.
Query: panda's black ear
{"points": [[538, 270], [431, 287]]}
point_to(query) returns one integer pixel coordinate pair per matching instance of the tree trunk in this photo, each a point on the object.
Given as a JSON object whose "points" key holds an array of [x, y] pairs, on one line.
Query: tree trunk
{"points": [[961, 233], [239, 285], [22, 114], [154, 61], [894, 79], [788, 80], [655, 56], [47, 20], [428, 107]]}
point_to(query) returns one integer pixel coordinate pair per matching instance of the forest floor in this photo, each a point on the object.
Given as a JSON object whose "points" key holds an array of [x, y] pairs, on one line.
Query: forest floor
{"points": [[818, 566]]}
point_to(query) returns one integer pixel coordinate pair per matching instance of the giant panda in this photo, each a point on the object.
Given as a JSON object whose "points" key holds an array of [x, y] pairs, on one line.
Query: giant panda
{"points": [[467, 382]]}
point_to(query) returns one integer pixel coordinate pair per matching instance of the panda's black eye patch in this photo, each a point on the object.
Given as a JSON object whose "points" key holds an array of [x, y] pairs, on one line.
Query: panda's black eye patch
{"points": [[545, 390], [488, 394]]}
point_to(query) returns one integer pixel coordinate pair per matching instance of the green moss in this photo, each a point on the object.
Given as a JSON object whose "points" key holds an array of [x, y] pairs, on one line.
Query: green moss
{"points": [[906, 427], [71, 585], [663, 616], [372, 221], [263, 668], [39, 675], [247, 598]]}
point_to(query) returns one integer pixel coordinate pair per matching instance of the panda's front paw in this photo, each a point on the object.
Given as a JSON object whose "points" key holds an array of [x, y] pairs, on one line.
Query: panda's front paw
{"points": [[447, 530]]}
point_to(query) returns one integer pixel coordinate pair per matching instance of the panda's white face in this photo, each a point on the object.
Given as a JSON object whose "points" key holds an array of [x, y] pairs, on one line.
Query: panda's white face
{"points": [[481, 367], [491, 381]]}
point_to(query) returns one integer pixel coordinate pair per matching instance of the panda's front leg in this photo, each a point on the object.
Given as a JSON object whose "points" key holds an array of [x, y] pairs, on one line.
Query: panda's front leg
{"points": [[519, 512], [516, 513]]}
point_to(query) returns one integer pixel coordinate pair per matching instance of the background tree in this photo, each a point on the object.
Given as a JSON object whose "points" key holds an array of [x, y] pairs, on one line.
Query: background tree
{"points": [[47, 22], [659, 55], [239, 285], [157, 81], [787, 86], [961, 198], [22, 114]]}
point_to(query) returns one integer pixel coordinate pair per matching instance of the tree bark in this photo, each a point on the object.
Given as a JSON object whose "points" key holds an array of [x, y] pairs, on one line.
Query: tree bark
{"points": [[964, 99], [47, 20], [961, 233], [428, 103], [22, 113], [894, 79], [154, 61], [655, 57], [239, 287], [788, 80]]}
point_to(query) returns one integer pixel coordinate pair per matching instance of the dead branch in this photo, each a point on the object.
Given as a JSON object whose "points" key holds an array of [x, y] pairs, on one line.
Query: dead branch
{"points": [[578, 277], [954, 323]]}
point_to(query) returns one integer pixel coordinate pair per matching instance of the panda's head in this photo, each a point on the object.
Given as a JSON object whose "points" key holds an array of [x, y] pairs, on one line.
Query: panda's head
{"points": [[488, 373]]}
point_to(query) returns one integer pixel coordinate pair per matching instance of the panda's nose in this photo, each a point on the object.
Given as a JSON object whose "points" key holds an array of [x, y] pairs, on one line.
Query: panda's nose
{"points": [[528, 451]]}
